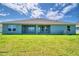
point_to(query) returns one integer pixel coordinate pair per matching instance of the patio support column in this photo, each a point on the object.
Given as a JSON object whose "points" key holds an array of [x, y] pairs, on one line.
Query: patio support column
{"points": [[51, 29], [36, 29]]}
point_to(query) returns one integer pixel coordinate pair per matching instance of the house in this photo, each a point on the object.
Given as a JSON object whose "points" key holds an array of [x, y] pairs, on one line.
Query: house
{"points": [[38, 26], [77, 28]]}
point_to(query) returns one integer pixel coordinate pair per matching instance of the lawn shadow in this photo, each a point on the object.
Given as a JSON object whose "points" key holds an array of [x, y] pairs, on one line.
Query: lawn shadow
{"points": [[40, 34]]}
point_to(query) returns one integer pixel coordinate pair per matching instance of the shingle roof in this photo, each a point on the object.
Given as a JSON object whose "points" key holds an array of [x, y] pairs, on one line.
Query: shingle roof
{"points": [[0, 25], [77, 24], [36, 21]]}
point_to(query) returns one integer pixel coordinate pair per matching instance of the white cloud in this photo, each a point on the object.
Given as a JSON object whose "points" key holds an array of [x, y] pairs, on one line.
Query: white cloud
{"points": [[68, 8], [60, 4], [37, 12], [59, 14], [4, 14], [19, 7], [31, 6], [24, 8], [54, 15]]}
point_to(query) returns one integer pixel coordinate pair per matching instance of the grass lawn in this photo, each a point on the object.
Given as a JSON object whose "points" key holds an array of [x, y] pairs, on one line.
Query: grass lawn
{"points": [[39, 45]]}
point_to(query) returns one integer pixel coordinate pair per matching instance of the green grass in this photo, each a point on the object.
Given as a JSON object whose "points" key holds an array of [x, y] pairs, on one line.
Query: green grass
{"points": [[39, 45]]}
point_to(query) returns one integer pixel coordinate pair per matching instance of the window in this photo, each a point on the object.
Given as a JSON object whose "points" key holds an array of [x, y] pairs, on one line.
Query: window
{"points": [[11, 27], [68, 28]]}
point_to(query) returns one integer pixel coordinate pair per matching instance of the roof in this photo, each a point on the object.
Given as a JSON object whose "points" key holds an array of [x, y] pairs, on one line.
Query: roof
{"points": [[36, 21], [0, 25], [77, 25]]}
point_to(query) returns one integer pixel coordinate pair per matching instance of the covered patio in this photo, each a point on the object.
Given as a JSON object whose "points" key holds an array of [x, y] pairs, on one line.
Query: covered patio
{"points": [[35, 29]]}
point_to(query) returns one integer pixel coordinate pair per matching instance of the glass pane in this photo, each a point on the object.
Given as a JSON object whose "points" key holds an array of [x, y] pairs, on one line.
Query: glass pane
{"points": [[9, 29], [31, 29], [12, 26], [14, 29]]}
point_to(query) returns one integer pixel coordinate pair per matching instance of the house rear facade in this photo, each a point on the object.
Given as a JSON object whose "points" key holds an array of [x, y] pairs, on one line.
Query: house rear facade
{"points": [[77, 28], [38, 26]]}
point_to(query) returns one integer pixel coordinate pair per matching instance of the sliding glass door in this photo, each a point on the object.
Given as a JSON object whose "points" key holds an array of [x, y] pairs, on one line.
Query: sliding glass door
{"points": [[31, 29], [28, 29], [44, 29]]}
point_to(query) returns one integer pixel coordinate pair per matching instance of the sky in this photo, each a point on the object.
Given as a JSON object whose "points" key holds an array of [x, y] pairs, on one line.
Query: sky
{"points": [[67, 12]]}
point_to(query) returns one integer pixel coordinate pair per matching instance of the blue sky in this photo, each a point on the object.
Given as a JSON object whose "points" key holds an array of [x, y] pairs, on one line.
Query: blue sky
{"points": [[67, 12]]}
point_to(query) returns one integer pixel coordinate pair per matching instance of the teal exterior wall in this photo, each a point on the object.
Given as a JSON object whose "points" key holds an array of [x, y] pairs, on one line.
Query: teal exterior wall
{"points": [[57, 29], [77, 30], [62, 29], [54, 29], [18, 29], [0, 30]]}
